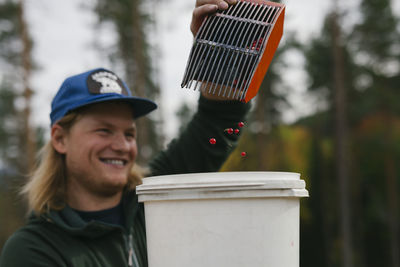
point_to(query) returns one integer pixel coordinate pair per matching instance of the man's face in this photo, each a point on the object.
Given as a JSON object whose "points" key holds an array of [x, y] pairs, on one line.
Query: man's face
{"points": [[100, 149]]}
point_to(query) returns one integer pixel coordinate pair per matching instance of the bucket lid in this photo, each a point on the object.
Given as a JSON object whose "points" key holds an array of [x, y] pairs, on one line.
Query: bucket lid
{"points": [[221, 185]]}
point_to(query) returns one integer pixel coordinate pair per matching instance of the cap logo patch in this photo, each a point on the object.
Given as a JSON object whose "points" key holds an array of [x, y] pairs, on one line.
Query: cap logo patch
{"points": [[102, 82]]}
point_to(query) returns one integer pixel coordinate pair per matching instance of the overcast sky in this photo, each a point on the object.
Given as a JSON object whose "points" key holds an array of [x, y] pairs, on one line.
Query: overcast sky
{"points": [[64, 35]]}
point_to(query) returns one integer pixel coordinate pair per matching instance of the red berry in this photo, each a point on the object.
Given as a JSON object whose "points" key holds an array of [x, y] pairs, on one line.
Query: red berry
{"points": [[237, 131], [241, 124], [212, 141], [229, 130], [243, 154]]}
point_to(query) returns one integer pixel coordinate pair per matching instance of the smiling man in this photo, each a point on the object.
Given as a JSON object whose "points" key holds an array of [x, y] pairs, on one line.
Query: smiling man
{"points": [[82, 201], [100, 150]]}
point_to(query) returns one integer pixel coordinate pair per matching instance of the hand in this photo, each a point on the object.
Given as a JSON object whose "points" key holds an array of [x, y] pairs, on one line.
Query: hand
{"points": [[213, 96], [204, 8]]}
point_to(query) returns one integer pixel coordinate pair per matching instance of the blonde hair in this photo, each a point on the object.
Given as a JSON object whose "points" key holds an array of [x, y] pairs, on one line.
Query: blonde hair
{"points": [[46, 188]]}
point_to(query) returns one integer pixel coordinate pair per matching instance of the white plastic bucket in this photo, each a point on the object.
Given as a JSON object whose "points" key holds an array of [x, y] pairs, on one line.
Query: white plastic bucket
{"points": [[224, 219]]}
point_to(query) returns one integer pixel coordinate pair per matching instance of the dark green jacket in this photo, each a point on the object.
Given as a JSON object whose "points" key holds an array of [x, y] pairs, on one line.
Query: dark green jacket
{"points": [[62, 238]]}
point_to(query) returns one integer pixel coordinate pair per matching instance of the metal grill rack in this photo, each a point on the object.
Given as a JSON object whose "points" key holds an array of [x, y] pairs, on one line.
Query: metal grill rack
{"points": [[233, 49]]}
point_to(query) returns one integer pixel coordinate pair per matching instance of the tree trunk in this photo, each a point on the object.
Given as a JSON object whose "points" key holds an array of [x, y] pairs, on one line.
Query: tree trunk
{"points": [[29, 134], [139, 85], [392, 194], [261, 120], [341, 143]]}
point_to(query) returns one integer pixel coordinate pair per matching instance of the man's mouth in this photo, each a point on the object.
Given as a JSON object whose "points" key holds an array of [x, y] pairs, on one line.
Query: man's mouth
{"points": [[118, 162]]}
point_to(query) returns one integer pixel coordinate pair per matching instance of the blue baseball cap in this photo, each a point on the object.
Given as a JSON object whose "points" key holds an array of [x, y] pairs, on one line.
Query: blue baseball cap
{"points": [[95, 86]]}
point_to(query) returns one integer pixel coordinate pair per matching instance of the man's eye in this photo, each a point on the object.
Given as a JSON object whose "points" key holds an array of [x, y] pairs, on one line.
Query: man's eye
{"points": [[130, 135], [104, 130]]}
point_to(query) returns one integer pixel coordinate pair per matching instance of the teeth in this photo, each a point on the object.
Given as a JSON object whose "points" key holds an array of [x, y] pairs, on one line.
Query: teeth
{"points": [[114, 161]]}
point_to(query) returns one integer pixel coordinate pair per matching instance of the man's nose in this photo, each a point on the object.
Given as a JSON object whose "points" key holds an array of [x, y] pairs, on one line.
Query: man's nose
{"points": [[120, 143]]}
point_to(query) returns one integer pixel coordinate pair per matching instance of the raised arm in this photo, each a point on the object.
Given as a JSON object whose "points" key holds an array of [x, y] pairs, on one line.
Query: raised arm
{"points": [[192, 150]]}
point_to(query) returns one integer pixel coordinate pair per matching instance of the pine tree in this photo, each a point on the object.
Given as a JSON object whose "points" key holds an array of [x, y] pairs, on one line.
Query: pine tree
{"points": [[131, 22], [377, 38], [17, 136], [15, 59], [341, 140], [331, 73]]}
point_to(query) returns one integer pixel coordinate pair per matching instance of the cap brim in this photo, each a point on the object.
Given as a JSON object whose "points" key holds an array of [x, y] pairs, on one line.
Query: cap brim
{"points": [[140, 106]]}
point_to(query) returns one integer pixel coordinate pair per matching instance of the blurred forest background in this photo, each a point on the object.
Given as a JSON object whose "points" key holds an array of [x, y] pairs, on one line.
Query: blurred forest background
{"points": [[347, 150]]}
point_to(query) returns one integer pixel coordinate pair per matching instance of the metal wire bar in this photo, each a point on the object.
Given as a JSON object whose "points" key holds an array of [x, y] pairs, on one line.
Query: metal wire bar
{"points": [[234, 25], [219, 73], [197, 64], [244, 26], [267, 31], [193, 51], [230, 74], [274, 13], [253, 62], [245, 41], [250, 66], [196, 47], [189, 65], [203, 35], [228, 49], [209, 58], [237, 35], [208, 55], [245, 55], [250, 20]]}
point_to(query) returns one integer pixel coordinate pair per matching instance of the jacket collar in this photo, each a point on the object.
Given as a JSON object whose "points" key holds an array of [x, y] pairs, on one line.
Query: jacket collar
{"points": [[69, 220]]}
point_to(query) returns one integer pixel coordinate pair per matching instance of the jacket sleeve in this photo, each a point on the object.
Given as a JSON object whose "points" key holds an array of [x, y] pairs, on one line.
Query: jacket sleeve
{"points": [[192, 151], [23, 250]]}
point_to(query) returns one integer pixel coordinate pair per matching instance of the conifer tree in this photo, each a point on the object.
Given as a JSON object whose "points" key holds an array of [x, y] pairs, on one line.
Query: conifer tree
{"points": [[331, 71], [131, 22], [377, 38], [17, 135]]}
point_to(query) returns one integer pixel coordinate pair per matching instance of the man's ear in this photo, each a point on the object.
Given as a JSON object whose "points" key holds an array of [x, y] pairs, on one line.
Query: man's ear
{"points": [[58, 138]]}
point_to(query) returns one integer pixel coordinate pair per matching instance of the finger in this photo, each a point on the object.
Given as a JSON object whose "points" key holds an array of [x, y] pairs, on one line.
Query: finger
{"points": [[203, 11], [222, 4], [206, 8], [206, 2], [199, 14]]}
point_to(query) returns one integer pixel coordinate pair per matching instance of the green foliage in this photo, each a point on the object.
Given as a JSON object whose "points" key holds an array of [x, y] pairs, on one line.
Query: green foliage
{"points": [[13, 148], [377, 33], [9, 29], [271, 97], [376, 41], [373, 114], [9, 142], [130, 22], [372, 77], [320, 63], [287, 149], [11, 145]]}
